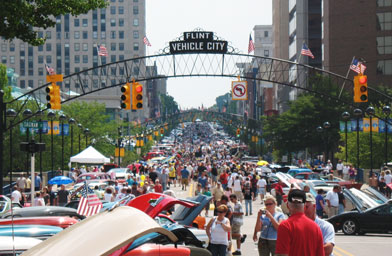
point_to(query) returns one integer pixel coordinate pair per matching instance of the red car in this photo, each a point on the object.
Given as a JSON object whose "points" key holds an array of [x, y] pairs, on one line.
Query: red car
{"points": [[62, 222], [153, 154], [93, 176]]}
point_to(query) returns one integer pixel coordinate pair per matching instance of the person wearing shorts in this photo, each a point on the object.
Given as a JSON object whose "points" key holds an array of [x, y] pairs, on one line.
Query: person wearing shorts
{"points": [[237, 222], [184, 178]]}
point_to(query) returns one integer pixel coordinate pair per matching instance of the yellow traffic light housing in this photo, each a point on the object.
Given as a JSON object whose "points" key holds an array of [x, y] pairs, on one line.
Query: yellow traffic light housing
{"points": [[53, 96], [137, 96], [162, 131], [238, 132], [126, 96], [360, 88]]}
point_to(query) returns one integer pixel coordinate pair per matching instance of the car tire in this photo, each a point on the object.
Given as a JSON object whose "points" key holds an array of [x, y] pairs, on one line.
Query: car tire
{"points": [[350, 227]]}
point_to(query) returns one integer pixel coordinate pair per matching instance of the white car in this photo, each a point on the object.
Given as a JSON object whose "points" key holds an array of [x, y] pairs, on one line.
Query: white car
{"points": [[16, 245]]}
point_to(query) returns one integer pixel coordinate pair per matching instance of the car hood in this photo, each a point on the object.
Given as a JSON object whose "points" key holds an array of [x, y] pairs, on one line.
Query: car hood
{"points": [[154, 203], [342, 216], [185, 215], [107, 232]]}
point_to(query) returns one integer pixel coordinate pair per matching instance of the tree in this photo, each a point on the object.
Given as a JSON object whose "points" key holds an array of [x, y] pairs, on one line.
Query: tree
{"points": [[4, 83], [168, 104], [21, 19]]}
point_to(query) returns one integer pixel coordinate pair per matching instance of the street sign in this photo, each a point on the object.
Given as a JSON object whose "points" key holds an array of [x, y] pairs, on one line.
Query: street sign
{"points": [[239, 90], [32, 124]]}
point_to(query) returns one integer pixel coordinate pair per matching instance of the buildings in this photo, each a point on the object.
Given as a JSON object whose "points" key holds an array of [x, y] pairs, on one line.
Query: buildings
{"points": [[71, 46]]}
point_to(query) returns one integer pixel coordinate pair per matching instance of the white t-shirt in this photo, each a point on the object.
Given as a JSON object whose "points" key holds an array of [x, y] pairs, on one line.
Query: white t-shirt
{"points": [[237, 185], [388, 178], [339, 167], [218, 234], [16, 196], [346, 169], [261, 183], [333, 198]]}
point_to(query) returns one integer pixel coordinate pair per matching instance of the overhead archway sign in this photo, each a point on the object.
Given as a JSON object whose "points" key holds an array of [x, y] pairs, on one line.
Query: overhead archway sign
{"points": [[198, 42]]}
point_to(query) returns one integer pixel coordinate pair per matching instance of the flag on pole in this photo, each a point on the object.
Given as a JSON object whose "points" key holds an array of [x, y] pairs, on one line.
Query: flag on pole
{"points": [[357, 66], [306, 51], [102, 51], [146, 41], [49, 70], [251, 45], [89, 202]]}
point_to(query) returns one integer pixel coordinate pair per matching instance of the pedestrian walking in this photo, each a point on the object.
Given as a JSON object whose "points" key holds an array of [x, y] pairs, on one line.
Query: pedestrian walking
{"points": [[237, 222], [217, 230], [332, 199]]}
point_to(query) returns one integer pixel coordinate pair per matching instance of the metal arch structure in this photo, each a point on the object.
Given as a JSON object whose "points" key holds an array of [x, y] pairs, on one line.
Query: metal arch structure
{"points": [[167, 65]]}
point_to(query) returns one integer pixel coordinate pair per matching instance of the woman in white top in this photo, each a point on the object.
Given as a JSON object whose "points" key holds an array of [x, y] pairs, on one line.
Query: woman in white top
{"points": [[39, 200], [108, 196], [218, 232]]}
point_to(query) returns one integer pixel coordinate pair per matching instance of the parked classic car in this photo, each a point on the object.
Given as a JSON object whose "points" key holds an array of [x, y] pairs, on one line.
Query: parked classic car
{"points": [[62, 222], [16, 245], [36, 231], [37, 211]]}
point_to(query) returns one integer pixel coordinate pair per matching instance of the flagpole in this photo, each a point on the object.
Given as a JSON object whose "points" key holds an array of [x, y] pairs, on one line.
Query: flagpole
{"points": [[344, 82]]}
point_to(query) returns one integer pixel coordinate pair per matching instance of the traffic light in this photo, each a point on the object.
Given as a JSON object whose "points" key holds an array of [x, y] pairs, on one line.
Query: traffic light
{"points": [[162, 131], [360, 88], [126, 96], [137, 96], [238, 132], [53, 96]]}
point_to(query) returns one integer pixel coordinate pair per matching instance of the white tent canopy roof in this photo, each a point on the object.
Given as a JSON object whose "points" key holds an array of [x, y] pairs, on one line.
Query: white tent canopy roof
{"points": [[90, 156]]}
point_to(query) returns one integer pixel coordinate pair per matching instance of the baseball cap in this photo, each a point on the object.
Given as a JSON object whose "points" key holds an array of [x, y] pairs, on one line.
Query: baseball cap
{"points": [[310, 198], [297, 196]]}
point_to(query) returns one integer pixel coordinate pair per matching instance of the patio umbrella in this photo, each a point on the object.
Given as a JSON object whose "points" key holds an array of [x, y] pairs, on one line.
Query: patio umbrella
{"points": [[262, 162], [60, 180]]}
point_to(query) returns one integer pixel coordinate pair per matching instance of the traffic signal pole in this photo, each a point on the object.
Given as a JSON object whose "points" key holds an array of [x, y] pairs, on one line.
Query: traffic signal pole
{"points": [[2, 130]]}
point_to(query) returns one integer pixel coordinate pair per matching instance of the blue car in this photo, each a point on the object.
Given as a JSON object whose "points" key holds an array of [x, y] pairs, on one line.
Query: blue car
{"points": [[41, 232], [293, 172]]}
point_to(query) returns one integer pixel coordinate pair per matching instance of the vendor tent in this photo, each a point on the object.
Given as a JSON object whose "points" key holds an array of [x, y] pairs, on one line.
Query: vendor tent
{"points": [[90, 156]]}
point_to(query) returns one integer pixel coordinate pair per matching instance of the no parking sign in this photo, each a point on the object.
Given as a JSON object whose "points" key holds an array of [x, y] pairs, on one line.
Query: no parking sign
{"points": [[239, 90]]}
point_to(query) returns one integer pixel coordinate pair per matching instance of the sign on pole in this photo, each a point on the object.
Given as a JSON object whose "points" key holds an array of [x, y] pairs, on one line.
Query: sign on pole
{"points": [[239, 90]]}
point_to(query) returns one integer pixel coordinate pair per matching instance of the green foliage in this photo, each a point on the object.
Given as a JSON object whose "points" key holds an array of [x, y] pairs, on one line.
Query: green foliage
{"points": [[4, 83], [169, 105], [21, 19]]}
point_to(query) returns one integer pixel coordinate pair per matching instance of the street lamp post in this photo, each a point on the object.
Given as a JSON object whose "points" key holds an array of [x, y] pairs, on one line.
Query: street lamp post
{"points": [[370, 111], [40, 115], [119, 145], [320, 129], [346, 117], [86, 132], [11, 113], [387, 112], [71, 122], [51, 115], [358, 115], [80, 132], [27, 113], [62, 119], [326, 126]]}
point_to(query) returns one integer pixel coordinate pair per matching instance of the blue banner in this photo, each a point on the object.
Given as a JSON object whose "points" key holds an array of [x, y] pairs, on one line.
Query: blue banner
{"points": [[354, 125], [66, 129], [381, 126], [45, 129]]}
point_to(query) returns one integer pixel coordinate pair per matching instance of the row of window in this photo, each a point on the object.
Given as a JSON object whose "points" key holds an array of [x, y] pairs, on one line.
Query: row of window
{"points": [[384, 45], [384, 21], [383, 3]]}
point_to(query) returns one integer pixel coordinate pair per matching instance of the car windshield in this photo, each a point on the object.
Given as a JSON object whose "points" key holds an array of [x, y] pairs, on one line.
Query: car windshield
{"points": [[365, 200]]}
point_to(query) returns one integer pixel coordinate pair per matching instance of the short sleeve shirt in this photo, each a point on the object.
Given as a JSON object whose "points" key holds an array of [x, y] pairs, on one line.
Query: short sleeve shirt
{"points": [[238, 208], [261, 183], [267, 229], [308, 239], [333, 198], [327, 230]]}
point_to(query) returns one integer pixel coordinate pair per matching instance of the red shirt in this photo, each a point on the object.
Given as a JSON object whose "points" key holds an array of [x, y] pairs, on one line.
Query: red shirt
{"points": [[158, 188], [299, 236], [223, 178], [278, 189]]}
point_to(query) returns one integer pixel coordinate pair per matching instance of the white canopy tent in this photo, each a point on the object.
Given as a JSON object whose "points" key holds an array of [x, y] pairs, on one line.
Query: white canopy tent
{"points": [[89, 156]]}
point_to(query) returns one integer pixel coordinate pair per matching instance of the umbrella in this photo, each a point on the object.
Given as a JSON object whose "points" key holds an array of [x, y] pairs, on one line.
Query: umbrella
{"points": [[262, 162], [60, 180]]}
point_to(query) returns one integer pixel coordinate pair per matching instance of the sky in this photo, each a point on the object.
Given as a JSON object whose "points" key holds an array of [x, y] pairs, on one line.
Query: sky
{"points": [[232, 20]]}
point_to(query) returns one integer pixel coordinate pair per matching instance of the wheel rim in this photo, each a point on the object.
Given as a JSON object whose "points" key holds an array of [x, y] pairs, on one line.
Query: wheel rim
{"points": [[349, 226]]}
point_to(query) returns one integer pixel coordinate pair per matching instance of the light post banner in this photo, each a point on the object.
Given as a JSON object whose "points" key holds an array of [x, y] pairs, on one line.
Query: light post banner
{"points": [[239, 90], [56, 128], [354, 125]]}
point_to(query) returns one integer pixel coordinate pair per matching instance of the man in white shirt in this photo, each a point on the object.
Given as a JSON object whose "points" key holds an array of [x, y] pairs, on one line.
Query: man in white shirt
{"points": [[261, 184], [339, 168], [237, 187], [346, 169], [16, 195], [21, 182], [332, 199]]}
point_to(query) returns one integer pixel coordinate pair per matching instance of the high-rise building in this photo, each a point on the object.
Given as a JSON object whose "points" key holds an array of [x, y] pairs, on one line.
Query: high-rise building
{"points": [[71, 46]]}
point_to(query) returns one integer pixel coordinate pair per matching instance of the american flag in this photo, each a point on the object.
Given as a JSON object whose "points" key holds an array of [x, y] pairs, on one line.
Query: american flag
{"points": [[251, 45], [146, 41], [306, 51], [102, 50], [49, 70], [89, 202], [357, 66]]}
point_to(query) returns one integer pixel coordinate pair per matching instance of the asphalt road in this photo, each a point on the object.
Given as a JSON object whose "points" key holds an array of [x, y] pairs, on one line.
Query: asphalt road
{"points": [[364, 245]]}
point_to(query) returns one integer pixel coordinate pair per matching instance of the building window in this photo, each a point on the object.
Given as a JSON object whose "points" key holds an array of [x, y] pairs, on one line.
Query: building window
{"points": [[12, 59], [121, 34], [120, 57], [77, 47], [113, 58], [112, 9], [135, 1], [121, 22], [136, 46], [58, 35], [48, 59], [31, 83], [135, 10], [12, 47], [48, 47], [40, 82], [4, 59], [3, 47], [113, 46], [112, 34], [135, 22], [77, 58], [266, 53], [121, 46], [85, 47], [384, 45], [383, 3], [85, 22], [40, 71], [40, 59], [40, 34], [48, 35], [40, 48], [112, 22], [22, 84], [76, 34], [265, 33], [85, 35], [76, 23], [121, 10], [95, 35], [384, 21], [135, 34], [384, 67], [85, 58], [66, 35], [103, 34]]}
